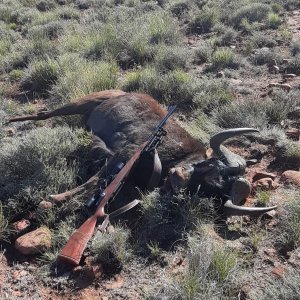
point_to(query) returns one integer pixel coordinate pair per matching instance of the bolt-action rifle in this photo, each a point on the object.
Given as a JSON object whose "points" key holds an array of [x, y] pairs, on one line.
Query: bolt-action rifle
{"points": [[73, 250]]}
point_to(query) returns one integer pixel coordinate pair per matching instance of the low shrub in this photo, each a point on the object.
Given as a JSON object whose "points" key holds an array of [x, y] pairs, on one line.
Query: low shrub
{"points": [[4, 227], [41, 75], [180, 9], [228, 37], [212, 94], [254, 12], [210, 274], [37, 164], [204, 21], [273, 21], [259, 40], [265, 56], [94, 76], [5, 46], [203, 53], [294, 66], [224, 58], [51, 30], [169, 58], [288, 229], [106, 42], [162, 29], [176, 86], [112, 248], [295, 48], [285, 287]]}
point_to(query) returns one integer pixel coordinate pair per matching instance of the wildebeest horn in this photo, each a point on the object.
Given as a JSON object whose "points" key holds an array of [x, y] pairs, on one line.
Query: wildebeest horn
{"points": [[240, 190], [231, 209], [236, 163]]}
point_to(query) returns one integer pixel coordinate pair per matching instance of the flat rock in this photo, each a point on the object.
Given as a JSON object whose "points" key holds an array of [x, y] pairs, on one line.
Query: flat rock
{"points": [[291, 177], [265, 184], [45, 204], [259, 175], [34, 242], [21, 225]]}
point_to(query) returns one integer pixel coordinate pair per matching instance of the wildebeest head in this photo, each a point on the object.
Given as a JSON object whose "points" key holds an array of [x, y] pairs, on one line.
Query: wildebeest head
{"points": [[221, 175]]}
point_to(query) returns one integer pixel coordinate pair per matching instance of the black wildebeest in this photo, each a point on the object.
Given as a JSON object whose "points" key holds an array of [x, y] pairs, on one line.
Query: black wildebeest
{"points": [[122, 121]]}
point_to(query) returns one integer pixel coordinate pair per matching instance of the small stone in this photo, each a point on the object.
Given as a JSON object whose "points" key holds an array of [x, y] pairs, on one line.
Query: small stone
{"points": [[45, 204], [220, 74], [274, 69], [289, 76], [21, 225], [261, 174], [11, 131], [293, 133], [283, 86], [17, 294], [273, 85], [265, 184], [279, 270], [291, 177], [270, 252], [270, 214], [34, 242], [251, 162], [286, 60]]}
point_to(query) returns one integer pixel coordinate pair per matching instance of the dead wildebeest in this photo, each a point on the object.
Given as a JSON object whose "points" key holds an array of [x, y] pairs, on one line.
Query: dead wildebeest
{"points": [[122, 121]]}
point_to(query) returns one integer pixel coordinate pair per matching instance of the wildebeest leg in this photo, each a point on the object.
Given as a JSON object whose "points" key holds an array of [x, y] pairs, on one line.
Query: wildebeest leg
{"points": [[89, 186], [78, 107], [99, 154]]}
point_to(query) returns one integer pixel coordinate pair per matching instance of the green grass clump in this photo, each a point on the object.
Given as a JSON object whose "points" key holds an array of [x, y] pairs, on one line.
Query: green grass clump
{"points": [[223, 263], [162, 29], [254, 12], [273, 21], [180, 9], [112, 248], [263, 197], [211, 94], [260, 40], [288, 230], [106, 42], [51, 30], [176, 86], [169, 58], [4, 227], [211, 272], [204, 21], [224, 58], [37, 164], [295, 48], [16, 74], [94, 76], [203, 53], [5, 46], [265, 56], [294, 66], [285, 287], [41, 75]]}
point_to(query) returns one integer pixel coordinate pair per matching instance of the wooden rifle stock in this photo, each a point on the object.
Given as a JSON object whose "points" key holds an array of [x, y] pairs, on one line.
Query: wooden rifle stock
{"points": [[73, 250]]}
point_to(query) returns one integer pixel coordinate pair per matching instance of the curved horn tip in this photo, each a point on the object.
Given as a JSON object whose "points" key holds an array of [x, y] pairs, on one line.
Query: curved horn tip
{"points": [[231, 209], [217, 139]]}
